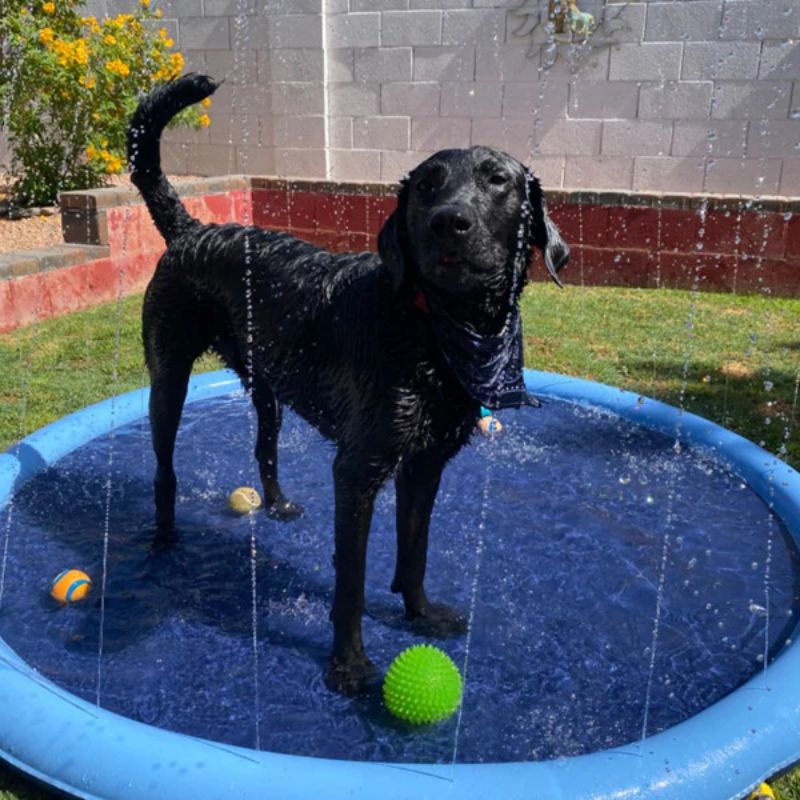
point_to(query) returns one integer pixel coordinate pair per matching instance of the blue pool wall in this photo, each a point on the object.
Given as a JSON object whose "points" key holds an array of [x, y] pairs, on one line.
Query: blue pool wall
{"points": [[718, 754]]}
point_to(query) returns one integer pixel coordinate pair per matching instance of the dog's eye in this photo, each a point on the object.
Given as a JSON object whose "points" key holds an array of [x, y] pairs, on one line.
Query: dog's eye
{"points": [[425, 187], [498, 180]]}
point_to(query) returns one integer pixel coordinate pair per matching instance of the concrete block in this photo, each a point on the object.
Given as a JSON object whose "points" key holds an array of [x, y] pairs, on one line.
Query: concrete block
{"points": [[567, 63], [745, 20], [576, 137], [295, 30], [299, 163], [439, 133], [471, 99], [617, 22], [698, 20], [506, 64], [512, 136], [714, 138], [411, 28], [603, 100], [395, 164], [273, 7], [378, 5], [648, 61], [195, 61], [790, 177], [675, 100], [708, 61], [773, 139], [208, 159], [355, 165], [446, 64], [437, 4], [548, 169], [298, 132], [636, 138], [255, 160], [383, 64], [238, 65], [543, 102], [354, 99], [353, 30], [171, 8], [341, 65], [780, 61], [340, 133], [412, 99], [225, 8], [474, 26], [297, 98], [754, 100], [301, 65], [236, 129], [598, 172], [753, 176], [211, 33], [382, 133], [668, 174]]}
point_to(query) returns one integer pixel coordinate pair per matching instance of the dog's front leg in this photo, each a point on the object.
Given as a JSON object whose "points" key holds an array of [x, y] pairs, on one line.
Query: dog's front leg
{"points": [[417, 483], [269, 414], [356, 482]]}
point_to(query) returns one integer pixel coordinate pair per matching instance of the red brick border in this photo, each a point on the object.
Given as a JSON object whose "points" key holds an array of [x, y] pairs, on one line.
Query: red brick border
{"points": [[617, 239]]}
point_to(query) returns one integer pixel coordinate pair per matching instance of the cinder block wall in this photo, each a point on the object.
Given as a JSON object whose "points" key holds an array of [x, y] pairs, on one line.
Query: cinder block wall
{"points": [[666, 95]]}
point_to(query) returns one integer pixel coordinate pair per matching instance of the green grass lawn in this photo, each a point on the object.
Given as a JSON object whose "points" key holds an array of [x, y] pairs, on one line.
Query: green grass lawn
{"points": [[735, 360]]}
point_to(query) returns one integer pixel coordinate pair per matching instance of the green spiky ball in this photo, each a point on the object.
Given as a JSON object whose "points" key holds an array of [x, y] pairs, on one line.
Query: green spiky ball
{"points": [[422, 685]]}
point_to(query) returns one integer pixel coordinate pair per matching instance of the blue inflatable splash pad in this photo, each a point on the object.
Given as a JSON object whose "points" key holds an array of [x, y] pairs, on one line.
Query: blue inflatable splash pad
{"points": [[629, 569]]}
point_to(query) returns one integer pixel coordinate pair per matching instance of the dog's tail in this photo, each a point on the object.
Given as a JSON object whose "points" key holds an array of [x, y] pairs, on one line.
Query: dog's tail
{"points": [[144, 151]]}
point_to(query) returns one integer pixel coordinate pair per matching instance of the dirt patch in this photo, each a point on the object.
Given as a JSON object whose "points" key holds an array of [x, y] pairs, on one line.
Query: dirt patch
{"points": [[736, 369]]}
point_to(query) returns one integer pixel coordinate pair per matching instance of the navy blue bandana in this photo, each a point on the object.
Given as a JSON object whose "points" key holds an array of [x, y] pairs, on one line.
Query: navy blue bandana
{"points": [[488, 367]]}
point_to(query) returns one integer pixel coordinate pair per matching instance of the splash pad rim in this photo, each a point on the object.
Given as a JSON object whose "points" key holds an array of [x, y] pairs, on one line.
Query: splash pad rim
{"points": [[719, 753]]}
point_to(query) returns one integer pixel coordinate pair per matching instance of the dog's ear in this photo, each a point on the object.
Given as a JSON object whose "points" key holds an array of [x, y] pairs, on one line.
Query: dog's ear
{"points": [[393, 244], [543, 231]]}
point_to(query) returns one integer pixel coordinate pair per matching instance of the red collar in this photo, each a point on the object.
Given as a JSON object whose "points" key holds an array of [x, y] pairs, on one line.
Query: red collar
{"points": [[420, 302]]}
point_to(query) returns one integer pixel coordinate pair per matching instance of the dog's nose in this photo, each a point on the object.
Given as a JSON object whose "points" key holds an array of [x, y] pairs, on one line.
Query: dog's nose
{"points": [[450, 222]]}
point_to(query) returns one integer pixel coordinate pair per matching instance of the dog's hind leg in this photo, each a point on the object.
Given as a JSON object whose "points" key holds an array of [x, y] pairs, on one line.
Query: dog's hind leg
{"points": [[269, 422], [175, 332], [417, 483], [167, 394]]}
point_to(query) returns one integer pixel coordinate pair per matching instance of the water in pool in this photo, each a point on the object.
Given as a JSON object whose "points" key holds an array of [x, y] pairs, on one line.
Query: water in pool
{"points": [[577, 503]]}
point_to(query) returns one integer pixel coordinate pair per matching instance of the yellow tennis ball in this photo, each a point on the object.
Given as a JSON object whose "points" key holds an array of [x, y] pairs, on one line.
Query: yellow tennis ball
{"points": [[764, 792], [244, 500], [70, 586]]}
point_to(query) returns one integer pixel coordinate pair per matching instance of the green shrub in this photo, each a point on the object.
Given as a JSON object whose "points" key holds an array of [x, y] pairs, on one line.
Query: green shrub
{"points": [[68, 85]]}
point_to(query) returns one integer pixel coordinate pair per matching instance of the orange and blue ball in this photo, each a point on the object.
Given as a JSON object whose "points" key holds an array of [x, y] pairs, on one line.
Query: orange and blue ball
{"points": [[70, 586]]}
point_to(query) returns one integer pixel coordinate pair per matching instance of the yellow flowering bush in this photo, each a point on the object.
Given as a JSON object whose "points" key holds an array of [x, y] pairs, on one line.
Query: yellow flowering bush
{"points": [[68, 85]]}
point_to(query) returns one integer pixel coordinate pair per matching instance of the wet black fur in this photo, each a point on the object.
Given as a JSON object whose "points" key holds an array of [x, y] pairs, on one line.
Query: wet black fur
{"points": [[338, 338]]}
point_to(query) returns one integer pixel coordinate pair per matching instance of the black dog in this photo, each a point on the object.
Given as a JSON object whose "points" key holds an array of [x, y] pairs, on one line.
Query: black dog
{"points": [[390, 357]]}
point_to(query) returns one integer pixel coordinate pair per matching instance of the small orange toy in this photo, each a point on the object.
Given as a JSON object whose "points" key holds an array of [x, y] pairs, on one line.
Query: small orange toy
{"points": [[70, 586]]}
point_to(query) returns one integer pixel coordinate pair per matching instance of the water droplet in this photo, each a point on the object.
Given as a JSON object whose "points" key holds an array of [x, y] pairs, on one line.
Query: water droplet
{"points": [[768, 386], [624, 479], [692, 563]]}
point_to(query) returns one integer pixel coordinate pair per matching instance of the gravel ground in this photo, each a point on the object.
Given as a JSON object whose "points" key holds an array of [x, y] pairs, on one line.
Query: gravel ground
{"points": [[44, 231], [27, 234]]}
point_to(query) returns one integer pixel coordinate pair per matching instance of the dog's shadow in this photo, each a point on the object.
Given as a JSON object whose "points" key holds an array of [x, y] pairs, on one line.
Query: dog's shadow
{"points": [[201, 573]]}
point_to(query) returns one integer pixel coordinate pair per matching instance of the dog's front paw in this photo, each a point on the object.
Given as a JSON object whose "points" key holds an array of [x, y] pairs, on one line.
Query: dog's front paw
{"points": [[351, 676], [285, 510], [438, 621]]}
